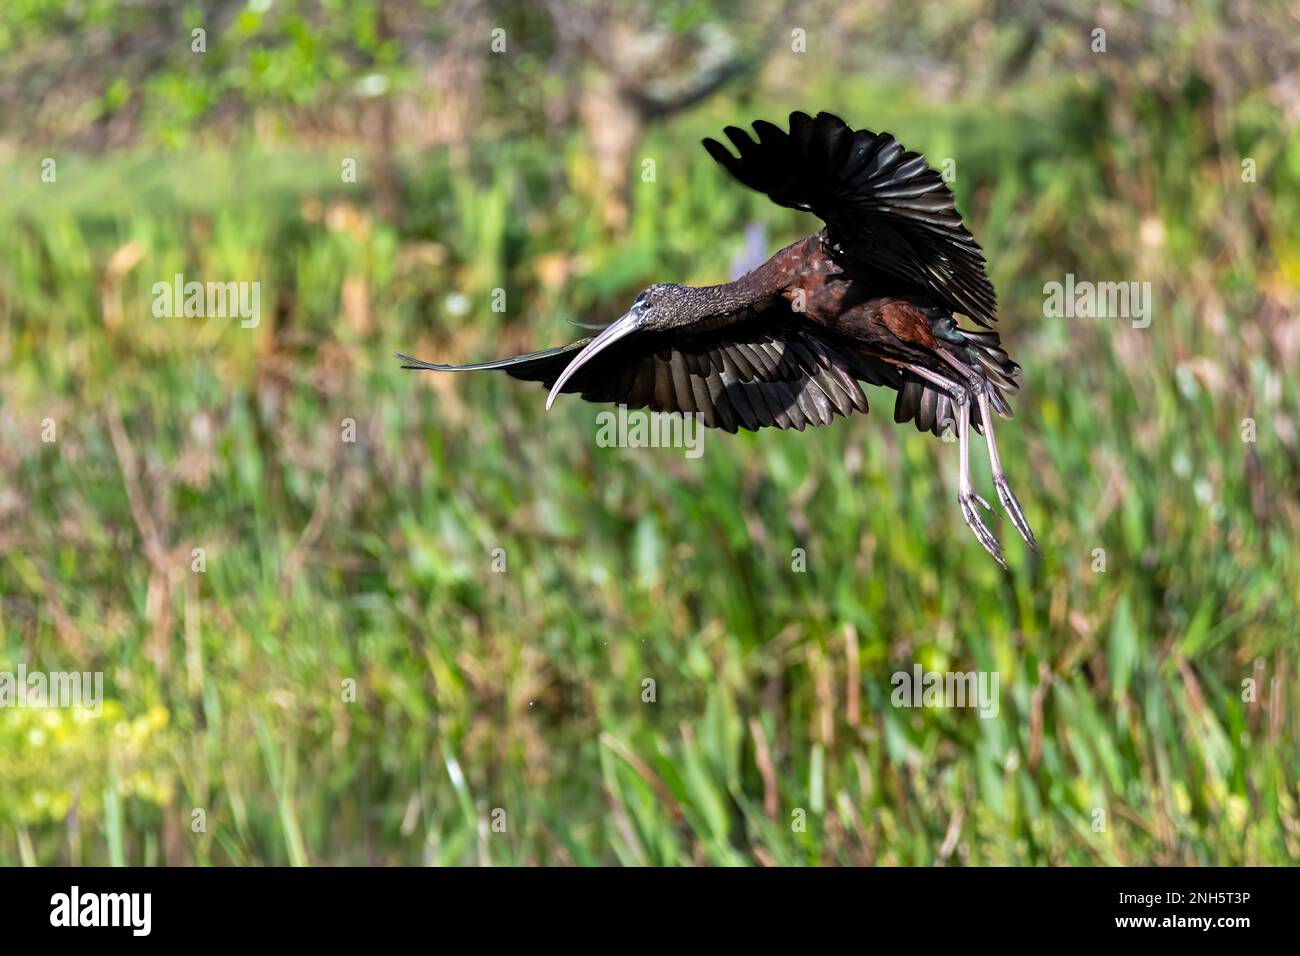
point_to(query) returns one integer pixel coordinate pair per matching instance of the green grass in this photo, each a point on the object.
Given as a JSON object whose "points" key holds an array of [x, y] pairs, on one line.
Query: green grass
{"points": [[1122, 694]]}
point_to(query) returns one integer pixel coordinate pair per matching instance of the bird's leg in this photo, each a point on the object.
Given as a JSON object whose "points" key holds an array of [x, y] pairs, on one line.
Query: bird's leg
{"points": [[1010, 504], [966, 496], [1005, 495]]}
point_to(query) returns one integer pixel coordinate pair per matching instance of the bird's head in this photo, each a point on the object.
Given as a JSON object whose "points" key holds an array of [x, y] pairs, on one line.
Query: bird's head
{"points": [[653, 310]]}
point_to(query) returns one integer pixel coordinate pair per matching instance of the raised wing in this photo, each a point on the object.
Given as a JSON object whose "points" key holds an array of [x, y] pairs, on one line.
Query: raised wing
{"points": [[755, 374], [886, 210]]}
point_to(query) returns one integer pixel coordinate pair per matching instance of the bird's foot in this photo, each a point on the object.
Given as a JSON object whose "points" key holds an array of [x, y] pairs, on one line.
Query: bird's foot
{"points": [[1012, 507], [968, 501]]}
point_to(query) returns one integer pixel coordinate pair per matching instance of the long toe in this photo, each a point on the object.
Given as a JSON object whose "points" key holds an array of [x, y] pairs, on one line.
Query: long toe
{"points": [[976, 524], [1011, 506]]}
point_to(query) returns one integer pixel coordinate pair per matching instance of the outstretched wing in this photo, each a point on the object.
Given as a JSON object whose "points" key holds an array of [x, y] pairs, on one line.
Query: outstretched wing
{"points": [[754, 374], [886, 210]]}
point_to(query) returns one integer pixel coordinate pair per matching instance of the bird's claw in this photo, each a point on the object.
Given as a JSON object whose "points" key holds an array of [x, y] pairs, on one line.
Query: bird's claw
{"points": [[1012, 507], [968, 500]]}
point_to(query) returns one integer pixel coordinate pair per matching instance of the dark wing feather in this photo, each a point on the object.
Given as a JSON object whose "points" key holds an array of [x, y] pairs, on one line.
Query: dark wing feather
{"points": [[885, 209], [766, 371]]}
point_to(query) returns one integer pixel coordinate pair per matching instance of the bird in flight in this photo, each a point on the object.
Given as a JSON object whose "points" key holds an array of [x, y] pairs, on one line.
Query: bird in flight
{"points": [[870, 298]]}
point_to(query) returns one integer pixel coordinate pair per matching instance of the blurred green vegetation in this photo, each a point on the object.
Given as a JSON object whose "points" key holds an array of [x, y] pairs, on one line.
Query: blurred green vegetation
{"points": [[328, 561]]}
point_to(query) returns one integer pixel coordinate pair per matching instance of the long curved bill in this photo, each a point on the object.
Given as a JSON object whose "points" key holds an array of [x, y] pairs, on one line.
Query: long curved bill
{"points": [[619, 329]]}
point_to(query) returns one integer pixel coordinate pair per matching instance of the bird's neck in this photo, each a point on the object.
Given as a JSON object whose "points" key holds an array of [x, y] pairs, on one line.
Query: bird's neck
{"points": [[756, 288]]}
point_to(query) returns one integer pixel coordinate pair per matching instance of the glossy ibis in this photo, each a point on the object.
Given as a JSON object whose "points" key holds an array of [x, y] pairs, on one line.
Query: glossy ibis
{"points": [[870, 298]]}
